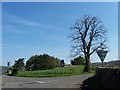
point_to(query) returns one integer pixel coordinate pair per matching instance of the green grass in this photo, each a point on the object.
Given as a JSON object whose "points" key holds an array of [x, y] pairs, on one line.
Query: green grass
{"points": [[66, 71]]}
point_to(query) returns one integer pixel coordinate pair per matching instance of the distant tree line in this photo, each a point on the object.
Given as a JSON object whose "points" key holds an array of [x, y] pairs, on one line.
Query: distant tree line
{"points": [[43, 62], [78, 61], [37, 62], [19, 64]]}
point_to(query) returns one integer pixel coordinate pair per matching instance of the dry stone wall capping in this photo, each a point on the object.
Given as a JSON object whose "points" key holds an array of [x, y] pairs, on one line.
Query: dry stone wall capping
{"points": [[109, 77]]}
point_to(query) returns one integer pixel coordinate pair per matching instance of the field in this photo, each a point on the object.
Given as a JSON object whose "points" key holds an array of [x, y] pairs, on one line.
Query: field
{"points": [[66, 71]]}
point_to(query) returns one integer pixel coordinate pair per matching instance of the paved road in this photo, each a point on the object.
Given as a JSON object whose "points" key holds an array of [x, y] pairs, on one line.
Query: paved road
{"points": [[54, 82]]}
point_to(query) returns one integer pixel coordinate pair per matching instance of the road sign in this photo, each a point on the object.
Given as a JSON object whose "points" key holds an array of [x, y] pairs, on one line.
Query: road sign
{"points": [[8, 64], [102, 54], [62, 63]]}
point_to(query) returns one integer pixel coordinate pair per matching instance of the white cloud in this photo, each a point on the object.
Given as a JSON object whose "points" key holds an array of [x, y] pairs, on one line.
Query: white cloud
{"points": [[10, 45], [38, 28], [19, 20], [26, 22], [16, 31]]}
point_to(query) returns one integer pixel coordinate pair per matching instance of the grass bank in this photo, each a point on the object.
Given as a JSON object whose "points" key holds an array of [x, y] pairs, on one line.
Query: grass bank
{"points": [[66, 71]]}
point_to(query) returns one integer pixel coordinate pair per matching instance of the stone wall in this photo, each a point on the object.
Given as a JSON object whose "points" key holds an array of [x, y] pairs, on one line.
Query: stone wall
{"points": [[109, 77]]}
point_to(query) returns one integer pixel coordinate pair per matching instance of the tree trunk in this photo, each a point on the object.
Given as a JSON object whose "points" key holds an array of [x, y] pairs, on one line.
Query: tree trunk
{"points": [[87, 65]]}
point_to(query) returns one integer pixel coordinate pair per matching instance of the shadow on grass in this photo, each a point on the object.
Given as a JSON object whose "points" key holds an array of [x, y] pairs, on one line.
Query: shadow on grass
{"points": [[91, 84]]}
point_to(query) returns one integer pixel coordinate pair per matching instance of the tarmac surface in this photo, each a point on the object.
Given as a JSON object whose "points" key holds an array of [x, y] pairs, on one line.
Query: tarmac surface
{"points": [[53, 82]]}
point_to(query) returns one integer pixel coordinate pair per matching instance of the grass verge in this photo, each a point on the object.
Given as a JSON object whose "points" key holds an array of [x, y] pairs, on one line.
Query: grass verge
{"points": [[66, 71]]}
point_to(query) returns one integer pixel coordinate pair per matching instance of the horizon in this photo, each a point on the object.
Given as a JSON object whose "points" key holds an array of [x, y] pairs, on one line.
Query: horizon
{"points": [[91, 63], [37, 28]]}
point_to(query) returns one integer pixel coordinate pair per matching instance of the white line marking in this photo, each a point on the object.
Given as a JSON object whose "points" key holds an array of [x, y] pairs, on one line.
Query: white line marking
{"points": [[40, 82]]}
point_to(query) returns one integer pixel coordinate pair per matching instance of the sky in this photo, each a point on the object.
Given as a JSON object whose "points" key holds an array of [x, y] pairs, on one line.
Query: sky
{"points": [[60, 1], [43, 27]]}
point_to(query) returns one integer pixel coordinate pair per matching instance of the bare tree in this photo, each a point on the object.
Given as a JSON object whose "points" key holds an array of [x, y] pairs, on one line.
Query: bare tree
{"points": [[88, 35]]}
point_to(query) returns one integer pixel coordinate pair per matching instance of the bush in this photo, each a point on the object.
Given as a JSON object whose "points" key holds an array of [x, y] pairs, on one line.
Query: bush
{"points": [[42, 62], [13, 72]]}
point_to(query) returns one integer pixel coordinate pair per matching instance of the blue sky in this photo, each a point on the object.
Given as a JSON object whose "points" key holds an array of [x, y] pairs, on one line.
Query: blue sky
{"points": [[37, 28]]}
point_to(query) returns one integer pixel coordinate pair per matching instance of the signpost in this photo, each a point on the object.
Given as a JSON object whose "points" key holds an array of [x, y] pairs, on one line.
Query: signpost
{"points": [[8, 64], [62, 65], [102, 54], [8, 67]]}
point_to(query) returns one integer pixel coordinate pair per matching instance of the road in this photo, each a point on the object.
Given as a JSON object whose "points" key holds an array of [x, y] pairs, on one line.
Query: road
{"points": [[54, 82]]}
